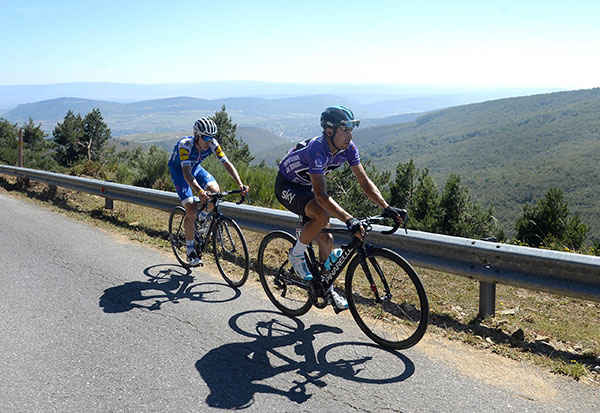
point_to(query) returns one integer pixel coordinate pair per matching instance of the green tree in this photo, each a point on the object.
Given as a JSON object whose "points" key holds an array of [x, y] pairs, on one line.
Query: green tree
{"points": [[403, 187], [453, 206], [8, 142], [37, 151], [425, 212], [80, 138], [33, 136], [549, 224], [67, 136], [235, 149], [461, 217], [95, 135]]}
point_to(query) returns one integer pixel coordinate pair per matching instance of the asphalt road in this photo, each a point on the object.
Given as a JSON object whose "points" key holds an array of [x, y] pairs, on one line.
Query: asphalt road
{"points": [[92, 322]]}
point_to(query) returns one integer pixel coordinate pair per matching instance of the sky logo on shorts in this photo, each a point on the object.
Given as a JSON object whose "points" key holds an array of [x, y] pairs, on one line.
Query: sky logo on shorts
{"points": [[288, 195]]}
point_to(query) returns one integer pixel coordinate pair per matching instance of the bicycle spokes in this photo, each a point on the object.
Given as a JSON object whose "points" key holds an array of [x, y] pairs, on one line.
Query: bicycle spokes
{"points": [[225, 240], [388, 300], [283, 286]]}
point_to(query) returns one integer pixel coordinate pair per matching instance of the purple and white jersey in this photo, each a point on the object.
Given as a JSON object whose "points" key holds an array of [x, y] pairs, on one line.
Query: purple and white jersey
{"points": [[313, 156]]}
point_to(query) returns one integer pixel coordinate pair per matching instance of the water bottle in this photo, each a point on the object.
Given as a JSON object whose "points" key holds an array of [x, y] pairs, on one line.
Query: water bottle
{"points": [[333, 257]]}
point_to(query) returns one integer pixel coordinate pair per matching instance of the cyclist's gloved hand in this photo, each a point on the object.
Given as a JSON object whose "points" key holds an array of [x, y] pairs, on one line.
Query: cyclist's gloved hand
{"points": [[355, 226], [395, 213]]}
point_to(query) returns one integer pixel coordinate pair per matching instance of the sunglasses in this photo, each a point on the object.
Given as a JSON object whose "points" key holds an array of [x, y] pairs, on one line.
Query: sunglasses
{"points": [[205, 138], [348, 125]]}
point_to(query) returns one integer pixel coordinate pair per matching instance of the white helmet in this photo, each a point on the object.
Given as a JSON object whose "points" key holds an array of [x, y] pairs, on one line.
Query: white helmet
{"points": [[205, 126]]}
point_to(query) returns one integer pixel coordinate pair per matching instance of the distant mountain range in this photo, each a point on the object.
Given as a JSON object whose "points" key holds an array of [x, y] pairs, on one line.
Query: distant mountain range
{"points": [[259, 140], [294, 117], [10, 96]]}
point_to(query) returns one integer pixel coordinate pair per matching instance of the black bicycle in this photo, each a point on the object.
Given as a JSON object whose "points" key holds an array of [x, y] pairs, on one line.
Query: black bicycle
{"points": [[228, 242], [385, 295]]}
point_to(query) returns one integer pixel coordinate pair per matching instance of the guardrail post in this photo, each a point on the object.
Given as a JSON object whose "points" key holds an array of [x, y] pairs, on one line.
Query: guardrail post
{"points": [[487, 299], [108, 203]]}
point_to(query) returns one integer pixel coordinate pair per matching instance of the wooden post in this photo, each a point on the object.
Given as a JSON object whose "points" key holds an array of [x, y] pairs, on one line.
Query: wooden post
{"points": [[21, 148]]}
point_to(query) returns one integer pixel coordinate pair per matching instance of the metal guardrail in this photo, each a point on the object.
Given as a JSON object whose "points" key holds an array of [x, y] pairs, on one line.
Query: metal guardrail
{"points": [[490, 263]]}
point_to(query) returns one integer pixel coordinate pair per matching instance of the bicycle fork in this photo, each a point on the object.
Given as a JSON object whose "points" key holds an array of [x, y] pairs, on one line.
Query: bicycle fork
{"points": [[368, 274]]}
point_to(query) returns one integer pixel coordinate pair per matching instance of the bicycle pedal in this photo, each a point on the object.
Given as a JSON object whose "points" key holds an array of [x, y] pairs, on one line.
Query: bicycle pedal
{"points": [[338, 310]]}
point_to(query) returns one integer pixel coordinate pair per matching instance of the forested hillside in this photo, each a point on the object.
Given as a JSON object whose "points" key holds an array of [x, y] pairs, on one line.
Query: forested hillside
{"points": [[508, 151]]}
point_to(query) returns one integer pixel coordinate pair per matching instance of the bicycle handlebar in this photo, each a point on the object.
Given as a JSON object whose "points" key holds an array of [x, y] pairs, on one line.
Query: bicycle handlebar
{"points": [[218, 195], [379, 218], [372, 220], [214, 196], [403, 215]]}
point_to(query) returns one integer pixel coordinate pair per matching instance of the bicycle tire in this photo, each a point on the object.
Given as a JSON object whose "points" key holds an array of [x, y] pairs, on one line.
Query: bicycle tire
{"points": [[400, 319], [177, 235], [287, 291], [231, 252]]}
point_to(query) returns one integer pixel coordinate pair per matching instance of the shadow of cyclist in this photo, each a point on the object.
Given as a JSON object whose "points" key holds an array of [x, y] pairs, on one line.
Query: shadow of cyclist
{"points": [[233, 372], [168, 283]]}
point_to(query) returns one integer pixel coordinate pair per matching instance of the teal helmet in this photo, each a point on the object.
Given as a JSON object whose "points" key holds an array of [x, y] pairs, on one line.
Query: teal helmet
{"points": [[336, 116]]}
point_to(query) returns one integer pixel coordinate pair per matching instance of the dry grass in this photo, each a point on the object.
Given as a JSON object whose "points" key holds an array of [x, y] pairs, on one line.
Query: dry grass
{"points": [[560, 334]]}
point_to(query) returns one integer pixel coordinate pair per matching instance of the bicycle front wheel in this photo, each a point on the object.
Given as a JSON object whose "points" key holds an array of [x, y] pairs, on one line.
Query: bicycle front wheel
{"points": [[287, 291], [387, 299], [177, 235], [231, 252]]}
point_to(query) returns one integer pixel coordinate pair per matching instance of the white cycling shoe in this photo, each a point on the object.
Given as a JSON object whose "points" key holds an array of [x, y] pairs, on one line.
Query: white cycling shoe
{"points": [[299, 265], [338, 302], [193, 259]]}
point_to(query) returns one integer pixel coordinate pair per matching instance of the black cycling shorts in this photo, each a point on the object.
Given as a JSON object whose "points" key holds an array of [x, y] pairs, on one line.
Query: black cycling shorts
{"points": [[293, 196]]}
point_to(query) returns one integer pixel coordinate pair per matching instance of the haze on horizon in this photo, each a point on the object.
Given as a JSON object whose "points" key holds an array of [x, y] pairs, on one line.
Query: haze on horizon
{"points": [[470, 44]]}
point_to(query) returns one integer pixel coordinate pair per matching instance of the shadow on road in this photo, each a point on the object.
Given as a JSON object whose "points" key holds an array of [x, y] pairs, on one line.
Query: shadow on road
{"points": [[167, 283], [235, 372]]}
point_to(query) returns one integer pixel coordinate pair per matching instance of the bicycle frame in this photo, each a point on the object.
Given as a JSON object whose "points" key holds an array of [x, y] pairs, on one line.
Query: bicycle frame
{"points": [[355, 246], [328, 279], [215, 216]]}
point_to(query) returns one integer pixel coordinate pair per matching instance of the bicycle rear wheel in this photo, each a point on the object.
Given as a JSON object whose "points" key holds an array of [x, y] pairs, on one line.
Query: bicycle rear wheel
{"points": [[287, 291], [387, 299], [231, 252], [177, 235]]}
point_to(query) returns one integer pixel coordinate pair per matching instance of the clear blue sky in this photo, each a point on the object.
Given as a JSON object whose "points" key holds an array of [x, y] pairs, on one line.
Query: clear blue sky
{"points": [[528, 43]]}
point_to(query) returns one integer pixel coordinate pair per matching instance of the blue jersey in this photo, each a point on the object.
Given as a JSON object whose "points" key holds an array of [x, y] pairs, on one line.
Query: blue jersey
{"points": [[186, 153], [313, 156]]}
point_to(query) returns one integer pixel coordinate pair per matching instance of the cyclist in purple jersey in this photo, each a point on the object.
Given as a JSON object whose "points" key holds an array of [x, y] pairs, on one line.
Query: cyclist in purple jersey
{"points": [[301, 187], [189, 176], [313, 156]]}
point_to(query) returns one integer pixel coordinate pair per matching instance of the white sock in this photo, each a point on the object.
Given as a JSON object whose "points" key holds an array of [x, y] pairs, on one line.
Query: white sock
{"points": [[299, 248], [189, 245]]}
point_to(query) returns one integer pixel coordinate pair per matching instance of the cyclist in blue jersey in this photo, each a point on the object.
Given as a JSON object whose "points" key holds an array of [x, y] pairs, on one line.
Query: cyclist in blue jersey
{"points": [[188, 175], [301, 187]]}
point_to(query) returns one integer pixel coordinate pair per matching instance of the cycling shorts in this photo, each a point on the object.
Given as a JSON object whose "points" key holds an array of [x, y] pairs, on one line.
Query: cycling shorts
{"points": [[293, 196], [184, 190]]}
